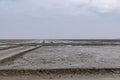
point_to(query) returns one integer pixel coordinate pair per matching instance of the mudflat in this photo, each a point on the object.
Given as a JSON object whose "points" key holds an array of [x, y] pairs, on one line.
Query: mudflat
{"points": [[62, 60]]}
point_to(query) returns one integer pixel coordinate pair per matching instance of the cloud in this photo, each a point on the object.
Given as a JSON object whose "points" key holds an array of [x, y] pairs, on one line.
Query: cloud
{"points": [[105, 6], [68, 7]]}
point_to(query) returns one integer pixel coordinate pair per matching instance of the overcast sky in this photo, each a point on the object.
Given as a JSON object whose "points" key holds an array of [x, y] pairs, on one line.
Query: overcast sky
{"points": [[78, 19]]}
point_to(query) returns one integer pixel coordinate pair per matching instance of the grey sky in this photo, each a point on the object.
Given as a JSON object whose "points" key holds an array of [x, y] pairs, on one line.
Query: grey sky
{"points": [[60, 19]]}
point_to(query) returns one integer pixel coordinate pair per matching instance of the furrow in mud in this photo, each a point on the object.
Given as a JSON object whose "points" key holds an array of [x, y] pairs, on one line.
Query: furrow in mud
{"points": [[16, 53]]}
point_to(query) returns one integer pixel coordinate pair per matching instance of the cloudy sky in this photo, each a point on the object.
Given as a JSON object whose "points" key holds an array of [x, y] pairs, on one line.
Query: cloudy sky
{"points": [[78, 19]]}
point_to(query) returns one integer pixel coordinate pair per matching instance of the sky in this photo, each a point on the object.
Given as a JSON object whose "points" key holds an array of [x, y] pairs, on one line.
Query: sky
{"points": [[59, 19]]}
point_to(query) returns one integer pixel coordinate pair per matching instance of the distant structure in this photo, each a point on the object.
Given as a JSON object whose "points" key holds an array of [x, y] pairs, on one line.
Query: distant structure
{"points": [[51, 42], [43, 42]]}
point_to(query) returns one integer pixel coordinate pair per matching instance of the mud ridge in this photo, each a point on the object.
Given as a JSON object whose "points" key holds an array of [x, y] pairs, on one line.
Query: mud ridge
{"points": [[59, 71]]}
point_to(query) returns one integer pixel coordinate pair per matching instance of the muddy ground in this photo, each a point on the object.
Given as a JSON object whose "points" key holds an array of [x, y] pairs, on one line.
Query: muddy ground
{"points": [[60, 74], [62, 58], [51, 57]]}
